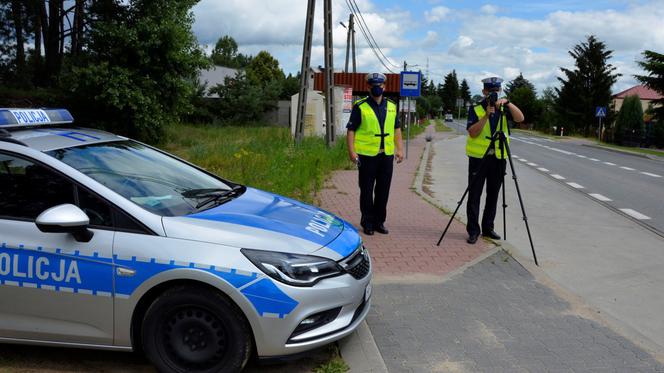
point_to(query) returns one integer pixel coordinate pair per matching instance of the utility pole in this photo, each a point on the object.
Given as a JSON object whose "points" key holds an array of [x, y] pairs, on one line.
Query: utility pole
{"points": [[350, 31], [352, 28], [405, 68], [304, 71], [329, 74]]}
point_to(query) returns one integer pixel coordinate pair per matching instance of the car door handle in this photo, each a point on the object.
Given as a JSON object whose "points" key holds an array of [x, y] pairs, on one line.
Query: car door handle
{"points": [[125, 272]]}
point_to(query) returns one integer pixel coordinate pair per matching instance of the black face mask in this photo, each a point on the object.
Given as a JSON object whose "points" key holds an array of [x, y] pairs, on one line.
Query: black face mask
{"points": [[376, 91]]}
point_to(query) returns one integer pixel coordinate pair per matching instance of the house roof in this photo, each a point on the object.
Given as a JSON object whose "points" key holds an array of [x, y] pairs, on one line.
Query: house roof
{"points": [[642, 91], [214, 76]]}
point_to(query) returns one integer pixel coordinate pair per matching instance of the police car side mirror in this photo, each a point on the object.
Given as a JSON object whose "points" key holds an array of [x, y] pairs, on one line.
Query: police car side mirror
{"points": [[65, 218]]}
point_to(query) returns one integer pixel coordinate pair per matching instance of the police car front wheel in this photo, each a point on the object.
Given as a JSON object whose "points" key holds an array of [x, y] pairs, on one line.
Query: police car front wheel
{"points": [[190, 329]]}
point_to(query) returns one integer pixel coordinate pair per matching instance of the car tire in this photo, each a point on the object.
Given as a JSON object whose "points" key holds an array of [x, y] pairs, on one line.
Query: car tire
{"points": [[192, 329]]}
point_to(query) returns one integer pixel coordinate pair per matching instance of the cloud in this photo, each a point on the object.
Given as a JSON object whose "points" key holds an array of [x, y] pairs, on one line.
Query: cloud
{"points": [[461, 46], [436, 14], [431, 39], [489, 9]]}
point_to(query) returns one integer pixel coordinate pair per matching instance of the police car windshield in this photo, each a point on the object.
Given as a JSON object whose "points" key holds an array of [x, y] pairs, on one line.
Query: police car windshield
{"points": [[152, 180]]}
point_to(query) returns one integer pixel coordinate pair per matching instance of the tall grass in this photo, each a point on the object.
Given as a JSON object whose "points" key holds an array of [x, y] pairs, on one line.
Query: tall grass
{"points": [[261, 157]]}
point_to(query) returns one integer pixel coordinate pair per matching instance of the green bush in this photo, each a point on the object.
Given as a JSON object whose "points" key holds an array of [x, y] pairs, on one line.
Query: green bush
{"points": [[629, 124]]}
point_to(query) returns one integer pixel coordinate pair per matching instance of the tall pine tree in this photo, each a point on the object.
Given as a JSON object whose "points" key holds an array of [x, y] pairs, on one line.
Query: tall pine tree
{"points": [[587, 86], [450, 91], [653, 63], [519, 82]]}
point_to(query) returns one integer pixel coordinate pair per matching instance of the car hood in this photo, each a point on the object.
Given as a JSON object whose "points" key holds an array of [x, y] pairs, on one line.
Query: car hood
{"points": [[266, 221]]}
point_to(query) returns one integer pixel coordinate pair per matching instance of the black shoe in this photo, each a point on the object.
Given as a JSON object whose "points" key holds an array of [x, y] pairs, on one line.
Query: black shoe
{"points": [[491, 234], [381, 229], [472, 238], [368, 231]]}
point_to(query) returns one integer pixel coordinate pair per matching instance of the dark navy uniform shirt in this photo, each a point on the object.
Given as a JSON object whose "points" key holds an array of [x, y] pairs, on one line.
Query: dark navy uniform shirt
{"points": [[493, 119], [380, 111]]}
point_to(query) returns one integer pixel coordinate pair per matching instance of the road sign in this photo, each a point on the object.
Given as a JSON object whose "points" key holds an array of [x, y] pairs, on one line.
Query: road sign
{"points": [[410, 83], [600, 112]]}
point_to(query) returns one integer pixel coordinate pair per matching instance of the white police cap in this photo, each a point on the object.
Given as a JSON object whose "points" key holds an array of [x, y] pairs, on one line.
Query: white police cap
{"points": [[375, 78], [492, 82]]}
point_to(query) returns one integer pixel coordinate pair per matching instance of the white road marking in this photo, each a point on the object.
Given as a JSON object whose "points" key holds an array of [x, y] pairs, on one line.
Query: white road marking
{"points": [[532, 164], [558, 177], [543, 169], [562, 151], [635, 214], [575, 185], [581, 156], [523, 160], [609, 164], [649, 174], [600, 197], [627, 168], [515, 156], [594, 159]]}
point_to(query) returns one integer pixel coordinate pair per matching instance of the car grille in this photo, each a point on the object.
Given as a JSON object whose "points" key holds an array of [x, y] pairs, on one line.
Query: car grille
{"points": [[358, 264]]}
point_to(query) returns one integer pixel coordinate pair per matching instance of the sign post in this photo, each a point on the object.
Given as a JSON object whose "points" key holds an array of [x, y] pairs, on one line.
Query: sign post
{"points": [[600, 112], [411, 82]]}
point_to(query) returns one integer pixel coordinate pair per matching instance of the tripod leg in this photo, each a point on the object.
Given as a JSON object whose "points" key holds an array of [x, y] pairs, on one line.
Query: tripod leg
{"points": [[503, 171], [523, 209], [470, 184]]}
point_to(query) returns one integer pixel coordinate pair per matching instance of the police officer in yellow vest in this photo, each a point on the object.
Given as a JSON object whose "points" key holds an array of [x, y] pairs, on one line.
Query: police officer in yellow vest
{"points": [[374, 140], [483, 121]]}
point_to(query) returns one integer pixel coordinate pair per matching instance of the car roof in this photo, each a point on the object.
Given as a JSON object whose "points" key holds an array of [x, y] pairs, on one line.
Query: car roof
{"points": [[47, 129], [51, 138]]}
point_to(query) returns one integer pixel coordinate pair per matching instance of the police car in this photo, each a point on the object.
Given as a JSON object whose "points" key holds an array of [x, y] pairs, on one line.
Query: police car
{"points": [[108, 243]]}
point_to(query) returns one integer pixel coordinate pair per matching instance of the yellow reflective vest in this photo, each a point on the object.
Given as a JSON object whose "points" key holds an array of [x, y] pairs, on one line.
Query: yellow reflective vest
{"points": [[476, 146], [368, 134]]}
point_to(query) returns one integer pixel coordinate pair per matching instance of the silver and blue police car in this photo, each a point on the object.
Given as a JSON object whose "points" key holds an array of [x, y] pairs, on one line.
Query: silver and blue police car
{"points": [[109, 243]]}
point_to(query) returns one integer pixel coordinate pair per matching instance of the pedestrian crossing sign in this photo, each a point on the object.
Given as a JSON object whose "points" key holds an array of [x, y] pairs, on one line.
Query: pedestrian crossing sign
{"points": [[600, 112]]}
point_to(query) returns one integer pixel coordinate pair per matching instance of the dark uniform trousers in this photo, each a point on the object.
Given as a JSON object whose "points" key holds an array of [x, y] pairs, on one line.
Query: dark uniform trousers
{"points": [[375, 177], [492, 172]]}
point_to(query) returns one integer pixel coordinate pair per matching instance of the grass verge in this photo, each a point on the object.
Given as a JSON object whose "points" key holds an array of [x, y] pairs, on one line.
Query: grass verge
{"points": [[659, 153], [262, 157]]}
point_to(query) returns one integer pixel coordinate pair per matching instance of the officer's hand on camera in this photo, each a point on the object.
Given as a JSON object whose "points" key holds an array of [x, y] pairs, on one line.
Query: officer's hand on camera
{"points": [[501, 102]]}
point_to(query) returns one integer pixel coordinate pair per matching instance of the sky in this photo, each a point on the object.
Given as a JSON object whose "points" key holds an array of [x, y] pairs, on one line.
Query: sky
{"points": [[478, 39]]}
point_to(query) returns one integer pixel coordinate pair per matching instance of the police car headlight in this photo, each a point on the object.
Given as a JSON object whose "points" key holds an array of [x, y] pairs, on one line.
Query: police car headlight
{"points": [[293, 269]]}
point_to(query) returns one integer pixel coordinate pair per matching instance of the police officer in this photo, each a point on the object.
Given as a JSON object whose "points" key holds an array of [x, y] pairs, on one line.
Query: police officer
{"points": [[483, 121], [374, 140]]}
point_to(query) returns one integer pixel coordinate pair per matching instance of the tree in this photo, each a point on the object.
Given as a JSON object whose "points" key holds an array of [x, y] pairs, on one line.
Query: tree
{"points": [[519, 82], [587, 86], [242, 102], [525, 99], [450, 91], [464, 91], [629, 124], [263, 69], [653, 63], [140, 71], [290, 86], [225, 53], [547, 103]]}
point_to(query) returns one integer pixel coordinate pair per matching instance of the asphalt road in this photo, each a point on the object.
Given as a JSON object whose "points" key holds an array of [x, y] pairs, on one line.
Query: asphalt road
{"points": [[612, 261], [629, 184]]}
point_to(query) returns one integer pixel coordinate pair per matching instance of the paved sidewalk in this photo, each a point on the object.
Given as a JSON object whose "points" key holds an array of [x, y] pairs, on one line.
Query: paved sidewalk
{"points": [[414, 224]]}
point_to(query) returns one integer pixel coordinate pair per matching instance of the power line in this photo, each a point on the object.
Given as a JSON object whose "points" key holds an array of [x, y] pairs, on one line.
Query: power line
{"points": [[364, 32], [371, 35]]}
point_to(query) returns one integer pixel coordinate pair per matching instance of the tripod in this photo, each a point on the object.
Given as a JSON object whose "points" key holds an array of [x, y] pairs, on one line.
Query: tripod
{"points": [[504, 148]]}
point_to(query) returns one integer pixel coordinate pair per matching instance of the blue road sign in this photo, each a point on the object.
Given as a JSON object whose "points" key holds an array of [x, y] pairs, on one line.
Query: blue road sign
{"points": [[411, 82], [600, 112]]}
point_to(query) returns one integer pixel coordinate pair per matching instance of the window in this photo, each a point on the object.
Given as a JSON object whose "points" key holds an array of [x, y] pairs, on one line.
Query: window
{"points": [[95, 208], [154, 181], [27, 189]]}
